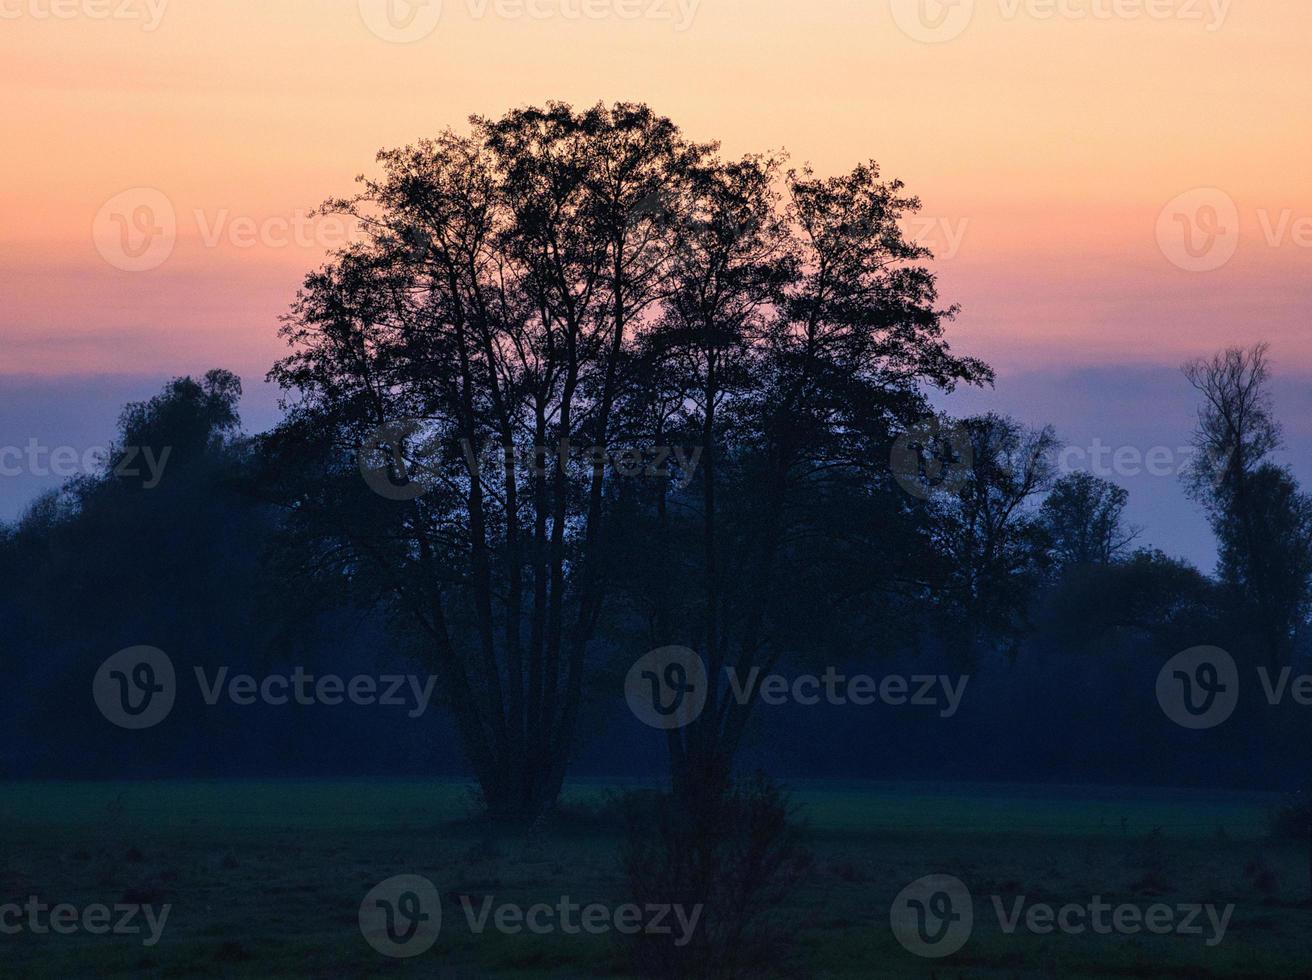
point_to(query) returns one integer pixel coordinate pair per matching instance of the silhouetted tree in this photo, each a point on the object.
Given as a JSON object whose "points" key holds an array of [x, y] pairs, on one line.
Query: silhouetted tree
{"points": [[989, 535], [1145, 596], [1262, 521], [501, 280], [799, 336], [155, 549], [1083, 517]]}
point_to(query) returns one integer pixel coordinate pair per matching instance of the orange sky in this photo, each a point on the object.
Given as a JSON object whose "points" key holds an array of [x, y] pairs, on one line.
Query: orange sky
{"points": [[1046, 138]]}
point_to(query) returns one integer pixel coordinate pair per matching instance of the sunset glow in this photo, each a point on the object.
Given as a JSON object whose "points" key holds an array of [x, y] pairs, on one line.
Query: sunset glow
{"points": [[1044, 139]]}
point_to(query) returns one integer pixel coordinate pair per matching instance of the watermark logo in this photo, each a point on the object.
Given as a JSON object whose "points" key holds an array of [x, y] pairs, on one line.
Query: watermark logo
{"points": [[136, 230], [382, 462], [135, 688], [1199, 688], [930, 458], [1198, 231], [667, 688], [401, 21], [933, 917], [658, 207], [402, 916], [933, 21]]}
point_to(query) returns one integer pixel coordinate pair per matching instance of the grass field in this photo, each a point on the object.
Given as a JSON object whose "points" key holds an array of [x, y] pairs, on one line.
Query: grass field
{"points": [[265, 879]]}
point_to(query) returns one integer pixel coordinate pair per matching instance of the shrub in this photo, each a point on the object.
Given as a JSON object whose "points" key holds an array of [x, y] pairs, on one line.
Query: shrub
{"points": [[735, 853]]}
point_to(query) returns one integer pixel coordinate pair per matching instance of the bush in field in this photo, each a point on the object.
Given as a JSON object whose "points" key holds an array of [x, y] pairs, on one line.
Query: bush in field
{"points": [[735, 853]]}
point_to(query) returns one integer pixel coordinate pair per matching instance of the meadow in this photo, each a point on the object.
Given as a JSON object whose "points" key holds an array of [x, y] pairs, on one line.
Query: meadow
{"points": [[266, 878]]}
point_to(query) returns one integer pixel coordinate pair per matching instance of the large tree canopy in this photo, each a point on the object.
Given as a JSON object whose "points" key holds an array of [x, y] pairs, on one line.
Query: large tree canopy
{"points": [[558, 285]]}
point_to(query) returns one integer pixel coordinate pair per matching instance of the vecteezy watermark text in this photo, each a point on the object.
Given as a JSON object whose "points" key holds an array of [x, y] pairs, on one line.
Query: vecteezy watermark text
{"points": [[937, 21], [668, 688], [392, 469], [678, 463], [36, 459], [36, 917], [138, 229], [136, 688], [934, 917], [936, 456], [402, 917], [572, 918], [148, 12], [408, 21]]}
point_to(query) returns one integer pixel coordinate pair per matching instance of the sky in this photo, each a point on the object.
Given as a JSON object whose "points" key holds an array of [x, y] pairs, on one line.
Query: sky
{"points": [[1110, 186]]}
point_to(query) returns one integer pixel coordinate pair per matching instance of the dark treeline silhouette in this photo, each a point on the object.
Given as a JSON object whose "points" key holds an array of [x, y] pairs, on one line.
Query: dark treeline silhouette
{"points": [[177, 559], [583, 389]]}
